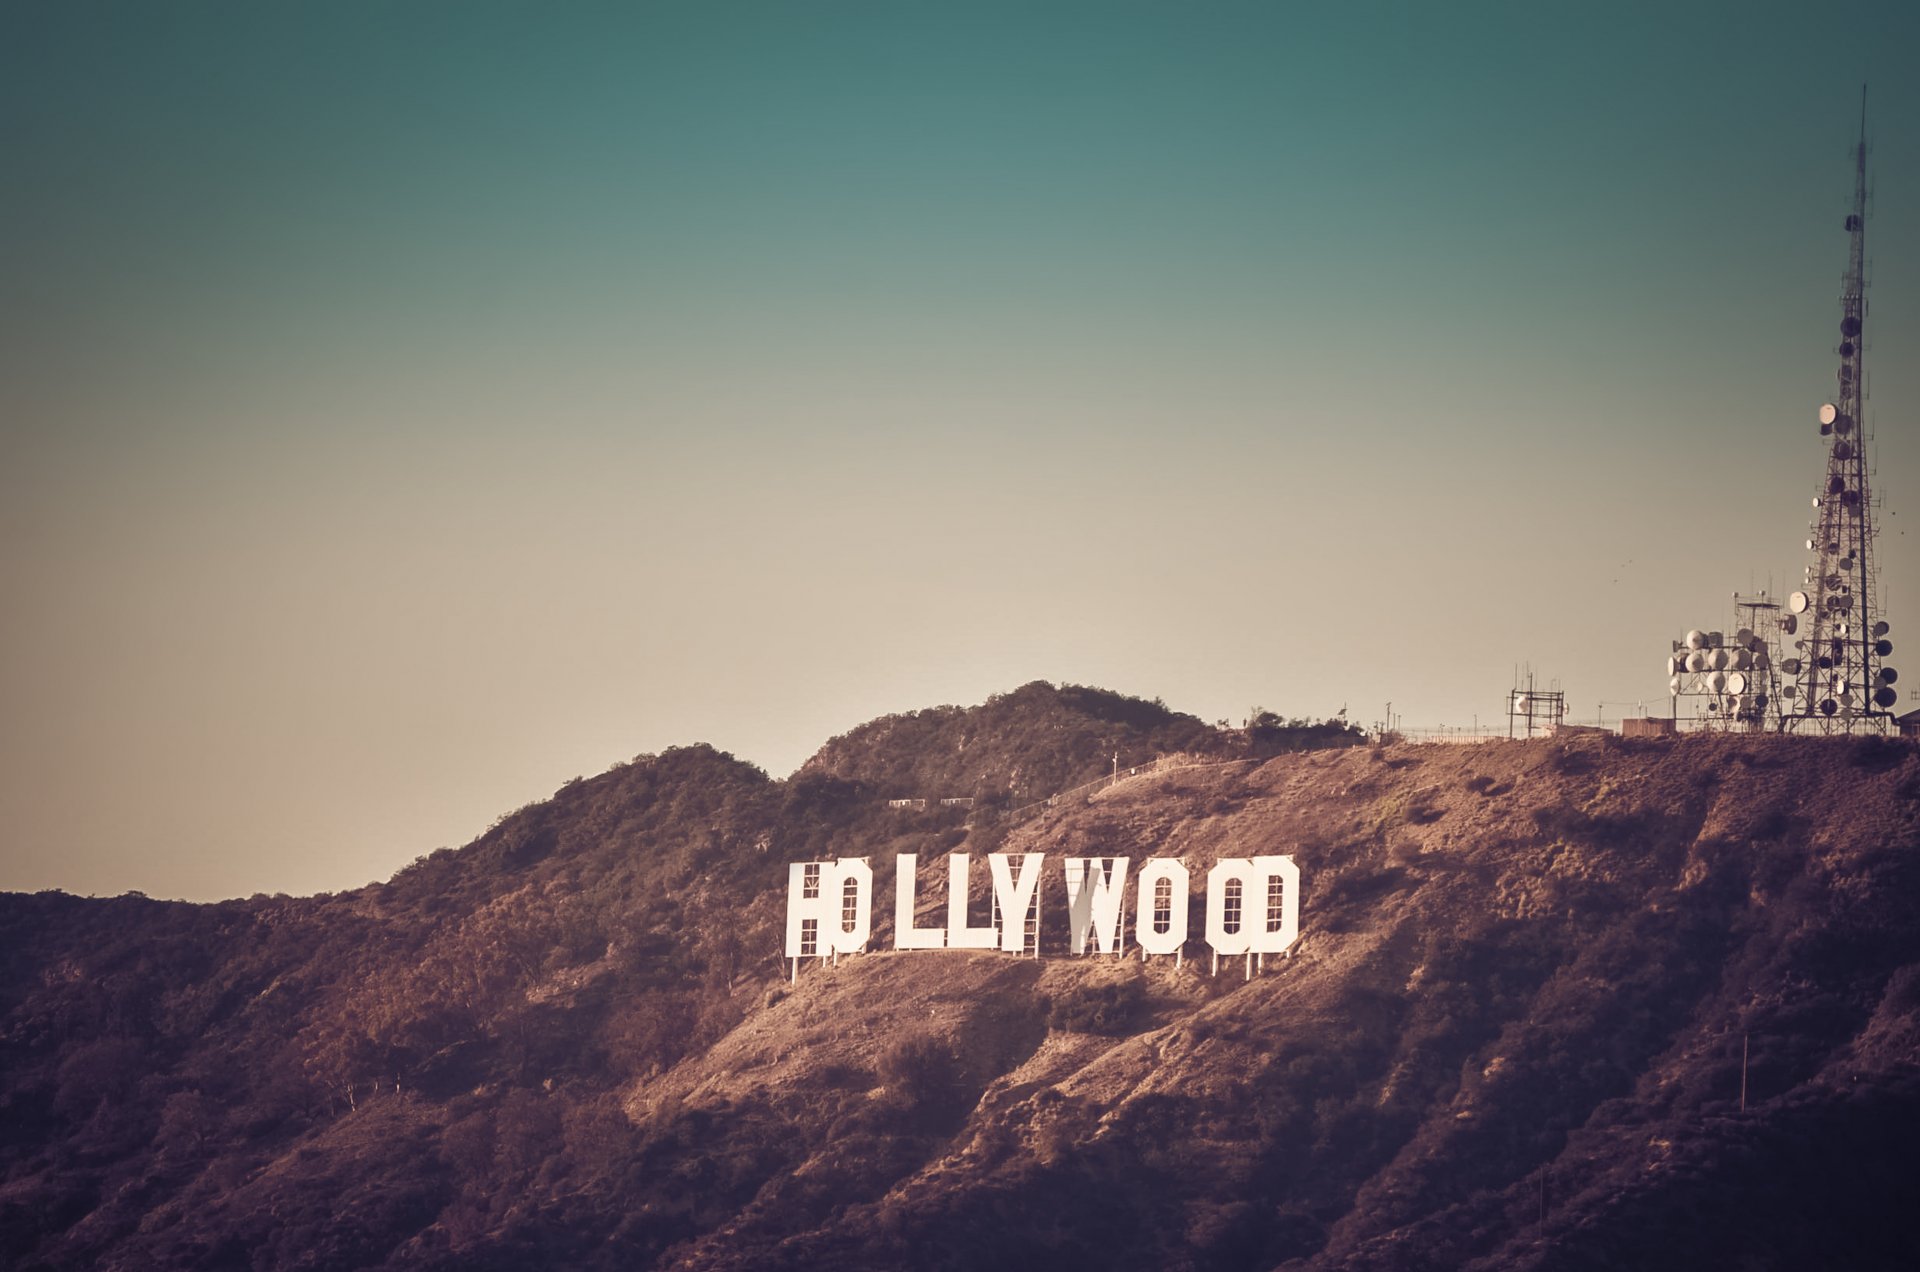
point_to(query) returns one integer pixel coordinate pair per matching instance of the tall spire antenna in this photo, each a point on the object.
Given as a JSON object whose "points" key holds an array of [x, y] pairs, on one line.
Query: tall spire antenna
{"points": [[1841, 684]]}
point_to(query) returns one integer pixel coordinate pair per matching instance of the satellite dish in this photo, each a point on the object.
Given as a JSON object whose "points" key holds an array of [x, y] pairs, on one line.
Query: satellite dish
{"points": [[1673, 687], [1696, 639], [1843, 450], [1790, 665], [1846, 348], [1789, 625], [1850, 498], [1843, 425], [1719, 660], [1880, 629], [1717, 681], [1828, 706], [1888, 675], [1744, 637], [1697, 660], [1741, 660], [1884, 697], [1883, 647], [1846, 565], [1797, 602], [1736, 682], [1829, 413], [1762, 659], [1789, 691]]}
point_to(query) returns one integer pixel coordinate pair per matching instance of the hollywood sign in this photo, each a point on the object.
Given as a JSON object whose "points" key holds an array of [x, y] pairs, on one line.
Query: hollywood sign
{"points": [[1253, 906]]}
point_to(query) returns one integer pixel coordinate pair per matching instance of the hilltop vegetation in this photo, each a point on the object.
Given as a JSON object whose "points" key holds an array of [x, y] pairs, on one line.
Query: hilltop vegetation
{"points": [[1026, 745], [1511, 1034], [1014, 748]]}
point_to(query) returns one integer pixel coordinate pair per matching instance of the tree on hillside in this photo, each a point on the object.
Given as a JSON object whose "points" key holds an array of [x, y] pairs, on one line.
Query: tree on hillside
{"points": [[1269, 734]]}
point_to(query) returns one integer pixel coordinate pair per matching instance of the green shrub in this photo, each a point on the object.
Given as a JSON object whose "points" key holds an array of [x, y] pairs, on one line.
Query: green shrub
{"points": [[920, 1070], [1110, 1007]]}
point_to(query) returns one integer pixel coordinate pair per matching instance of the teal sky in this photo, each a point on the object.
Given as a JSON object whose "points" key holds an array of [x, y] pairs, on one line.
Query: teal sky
{"points": [[407, 407]]}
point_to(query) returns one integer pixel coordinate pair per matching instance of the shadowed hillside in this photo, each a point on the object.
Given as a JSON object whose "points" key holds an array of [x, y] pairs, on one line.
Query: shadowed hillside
{"points": [[1510, 1034]]}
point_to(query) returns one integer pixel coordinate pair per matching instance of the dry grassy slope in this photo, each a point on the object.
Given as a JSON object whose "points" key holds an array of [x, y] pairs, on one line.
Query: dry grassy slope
{"points": [[1518, 963], [1509, 1035]]}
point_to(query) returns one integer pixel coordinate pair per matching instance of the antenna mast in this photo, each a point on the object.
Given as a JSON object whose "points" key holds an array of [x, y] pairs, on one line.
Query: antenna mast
{"points": [[1841, 685]]}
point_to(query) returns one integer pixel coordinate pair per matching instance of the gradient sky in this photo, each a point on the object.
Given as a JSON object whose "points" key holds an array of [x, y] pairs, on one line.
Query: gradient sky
{"points": [[407, 407]]}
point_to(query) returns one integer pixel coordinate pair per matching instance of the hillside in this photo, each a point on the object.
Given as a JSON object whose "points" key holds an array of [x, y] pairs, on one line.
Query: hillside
{"points": [[1040, 739], [1015, 747], [1509, 1036]]}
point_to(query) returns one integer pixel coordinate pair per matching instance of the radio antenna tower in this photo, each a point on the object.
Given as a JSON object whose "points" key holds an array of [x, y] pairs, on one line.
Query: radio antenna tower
{"points": [[1840, 684]]}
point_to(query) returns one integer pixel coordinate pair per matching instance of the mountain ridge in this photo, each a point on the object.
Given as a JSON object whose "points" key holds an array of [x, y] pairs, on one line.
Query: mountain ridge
{"points": [[1522, 967]]}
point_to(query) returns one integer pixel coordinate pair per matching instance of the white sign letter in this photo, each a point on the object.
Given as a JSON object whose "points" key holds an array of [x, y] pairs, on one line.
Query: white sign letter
{"points": [[853, 923], [1274, 904], [1019, 900], [1227, 886], [1253, 907], [804, 907], [1161, 923], [1093, 900], [829, 907], [959, 935], [905, 893]]}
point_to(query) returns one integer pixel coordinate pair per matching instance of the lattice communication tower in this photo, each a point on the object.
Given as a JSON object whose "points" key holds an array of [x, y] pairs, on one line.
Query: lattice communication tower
{"points": [[1840, 682], [1531, 708]]}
